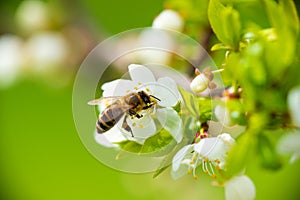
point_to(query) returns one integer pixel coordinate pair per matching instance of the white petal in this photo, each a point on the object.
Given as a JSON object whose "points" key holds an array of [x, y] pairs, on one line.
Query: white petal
{"points": [[181, 171], [215, 148], [166, 95], [168, 19], [140, 73], [110, 137], [119, 87], [240, 188], [289, 144], [171, 84], [170, 121], [180, 155], [142, 131], [294, 105]]}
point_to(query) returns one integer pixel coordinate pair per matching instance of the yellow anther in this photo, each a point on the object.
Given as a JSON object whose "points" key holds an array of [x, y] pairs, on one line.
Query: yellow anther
{"points": [[189, 171], [141, 126], [135, 88], [214, 176], [127, 91], [195, 177], [192, 162], [133, 124], [152, 115], [147, 89], [140, 83], [206, 172]]}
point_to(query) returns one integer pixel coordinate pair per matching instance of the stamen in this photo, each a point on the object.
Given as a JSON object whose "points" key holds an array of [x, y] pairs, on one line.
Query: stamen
{"points": [[141, 126], [203, 165], [127, 91], [133, 124], [147, 89], [136, 88], [195, 166], [212, 171], [139, 83]]}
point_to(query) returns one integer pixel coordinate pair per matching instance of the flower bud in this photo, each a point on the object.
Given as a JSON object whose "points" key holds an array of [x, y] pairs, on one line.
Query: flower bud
{"points": [[168, 19], [199, 83]]}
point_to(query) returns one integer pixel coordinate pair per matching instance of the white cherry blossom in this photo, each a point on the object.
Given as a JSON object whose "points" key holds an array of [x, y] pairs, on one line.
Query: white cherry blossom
{"points": [[240, 188], [208, 152], [163, 88]]}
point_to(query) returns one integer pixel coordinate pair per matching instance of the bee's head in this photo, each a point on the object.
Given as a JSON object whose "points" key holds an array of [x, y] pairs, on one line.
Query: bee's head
{"points": [[148, 99]]}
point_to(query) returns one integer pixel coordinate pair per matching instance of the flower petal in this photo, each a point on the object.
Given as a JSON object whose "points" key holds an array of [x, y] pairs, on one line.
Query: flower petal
{"points": [[170, 121], [142, 130], [289, 144], [171, 84], [166, 95], [119, 87], [114, 135], [181, 155], [240, 188], [140, 73], [181, 171], [215, 148]]}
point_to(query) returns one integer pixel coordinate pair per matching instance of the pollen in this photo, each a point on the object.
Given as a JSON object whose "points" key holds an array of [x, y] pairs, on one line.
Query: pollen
{"points": [[195, 177], [141, 126], [147, 89], [106, 104], [139, 83], [127, 91], [133, 124], [136, 88], [214, 176]]}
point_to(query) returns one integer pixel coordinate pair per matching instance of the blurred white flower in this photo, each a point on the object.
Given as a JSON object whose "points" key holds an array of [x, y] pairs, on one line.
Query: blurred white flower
{"points": [[11, 58], [223, 115], [163, 88], [294, 105], [156, 43], [289, 144], [32, 15], [168, 19], [217, 127], [208, 152], [45, 50], [240, 188]]}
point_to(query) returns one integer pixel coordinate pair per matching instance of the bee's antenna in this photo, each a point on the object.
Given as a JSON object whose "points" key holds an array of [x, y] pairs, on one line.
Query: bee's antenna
{"points": [[155, 97]]}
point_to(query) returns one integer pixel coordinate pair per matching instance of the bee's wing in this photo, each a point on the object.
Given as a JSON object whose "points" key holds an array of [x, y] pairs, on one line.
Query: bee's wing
{"points": [[104, 100]]}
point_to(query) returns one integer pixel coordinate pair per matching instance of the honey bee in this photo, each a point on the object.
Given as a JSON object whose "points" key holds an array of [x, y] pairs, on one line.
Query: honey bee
{"points": [[129, 105]]}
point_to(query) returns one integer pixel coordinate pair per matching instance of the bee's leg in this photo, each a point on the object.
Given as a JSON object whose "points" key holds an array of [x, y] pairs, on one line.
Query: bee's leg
{"points": [[126, 126], [132, 113]]}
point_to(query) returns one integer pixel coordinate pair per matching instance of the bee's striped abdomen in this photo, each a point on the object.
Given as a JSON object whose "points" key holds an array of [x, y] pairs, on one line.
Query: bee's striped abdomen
{"points": [[109, 117]]}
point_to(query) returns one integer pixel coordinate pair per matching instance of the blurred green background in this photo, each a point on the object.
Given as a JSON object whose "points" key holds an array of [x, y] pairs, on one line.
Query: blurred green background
{"points": [[41, 155]]}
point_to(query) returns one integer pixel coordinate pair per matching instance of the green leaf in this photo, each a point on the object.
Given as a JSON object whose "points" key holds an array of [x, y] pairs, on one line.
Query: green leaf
{"points": [[225, 22], [220, 46], [157, 142], [267, 153], [239, 155], [190, 102], [130, 146]]}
